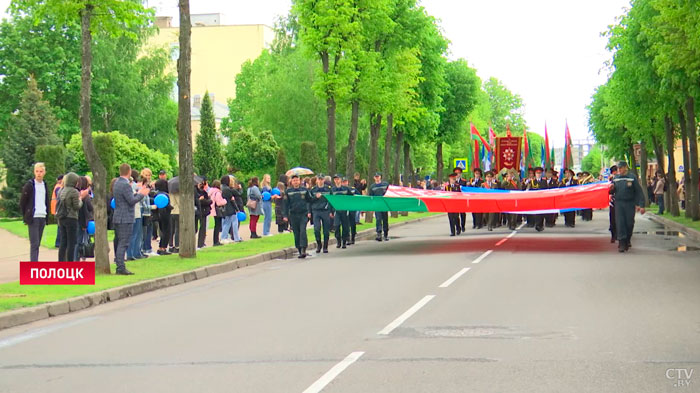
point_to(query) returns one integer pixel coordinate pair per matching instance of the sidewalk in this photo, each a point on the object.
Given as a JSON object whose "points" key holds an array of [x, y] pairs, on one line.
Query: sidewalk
{"points": [[16, 248]]}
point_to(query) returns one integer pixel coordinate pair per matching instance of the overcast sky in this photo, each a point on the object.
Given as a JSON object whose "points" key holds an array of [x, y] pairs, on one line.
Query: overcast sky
{"points": [[548, 51]]}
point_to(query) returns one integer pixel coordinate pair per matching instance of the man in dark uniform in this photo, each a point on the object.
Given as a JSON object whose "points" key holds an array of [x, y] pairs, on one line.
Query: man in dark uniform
{"points": [[342, 223], [352, 215], [477, 181], [510, 184], [569, 181], [527, 184], [629, 197], [538, 183], [453, 186], [297, 211], [586, 178], [611, 213], [490, 184], [461, 182], [550, 220], [382, 218], [321, 213]]}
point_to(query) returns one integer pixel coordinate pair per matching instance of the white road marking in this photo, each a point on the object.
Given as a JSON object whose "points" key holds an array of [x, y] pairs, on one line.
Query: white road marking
{"points": [[521, 226], [401, 319], [511, 234], [32, 334], [482, 256], [454, 278], [329, 376], [502, 241]]}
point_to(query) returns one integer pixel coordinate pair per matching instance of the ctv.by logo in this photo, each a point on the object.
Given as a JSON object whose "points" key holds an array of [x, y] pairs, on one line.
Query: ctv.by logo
{"points": [[680, 375]]}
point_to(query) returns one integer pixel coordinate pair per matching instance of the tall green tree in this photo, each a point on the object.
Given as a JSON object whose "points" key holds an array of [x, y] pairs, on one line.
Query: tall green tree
{"points": [[112, 17], [330, 29], [32, 126], [459, 99], [208, 156]]}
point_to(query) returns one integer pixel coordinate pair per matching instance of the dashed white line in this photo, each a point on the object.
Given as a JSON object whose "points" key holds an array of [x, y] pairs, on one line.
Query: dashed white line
{"points": [[329, 376], [511, 234], [482, 256], [522, 225], [401, 319], [454, 278], [501, 241]]}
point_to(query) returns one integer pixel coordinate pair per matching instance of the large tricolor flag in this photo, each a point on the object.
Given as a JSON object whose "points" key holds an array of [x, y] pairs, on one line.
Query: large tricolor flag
{"points": [[589, 196]]}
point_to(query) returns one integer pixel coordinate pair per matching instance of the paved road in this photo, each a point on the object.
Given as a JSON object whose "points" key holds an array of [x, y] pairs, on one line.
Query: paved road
{"points": [[559, 311]]}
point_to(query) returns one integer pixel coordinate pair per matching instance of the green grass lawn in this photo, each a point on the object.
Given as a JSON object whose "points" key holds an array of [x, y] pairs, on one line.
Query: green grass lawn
{"points": [[17, 227], [680, 219], [13, 295]]}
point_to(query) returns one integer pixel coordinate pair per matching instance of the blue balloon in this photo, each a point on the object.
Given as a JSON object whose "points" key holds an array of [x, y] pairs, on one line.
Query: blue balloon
{"points": [[161, 201], [241, 216], [266, 196], [91, 228], [113, 204], [276, 191]]}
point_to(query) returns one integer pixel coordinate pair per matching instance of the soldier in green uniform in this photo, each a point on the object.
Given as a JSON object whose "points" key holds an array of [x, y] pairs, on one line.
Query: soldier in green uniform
{"points": [[382, 218], [321, 213], [297, 211], [352, 215], [342, 222], [628, 198]]}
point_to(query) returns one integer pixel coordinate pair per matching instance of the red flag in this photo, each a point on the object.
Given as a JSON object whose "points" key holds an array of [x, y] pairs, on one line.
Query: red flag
{"points": [[568, 149], [526, 148], [492, 137], [546, 147], [477, 137]]}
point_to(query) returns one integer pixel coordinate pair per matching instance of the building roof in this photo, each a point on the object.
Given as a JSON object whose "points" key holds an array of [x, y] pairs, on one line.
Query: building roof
{"points": [[220, 111]]}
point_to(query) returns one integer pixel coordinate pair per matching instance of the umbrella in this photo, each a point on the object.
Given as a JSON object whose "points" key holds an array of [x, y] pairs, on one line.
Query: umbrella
{"points": [[299, 172], [174, 184]]}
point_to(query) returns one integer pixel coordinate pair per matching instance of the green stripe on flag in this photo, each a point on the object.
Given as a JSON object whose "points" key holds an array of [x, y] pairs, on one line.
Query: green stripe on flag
{"points": [[376, 203]]}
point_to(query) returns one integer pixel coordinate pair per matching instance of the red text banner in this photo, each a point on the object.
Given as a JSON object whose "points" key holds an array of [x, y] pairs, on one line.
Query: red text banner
{"points": [[57, 273]]}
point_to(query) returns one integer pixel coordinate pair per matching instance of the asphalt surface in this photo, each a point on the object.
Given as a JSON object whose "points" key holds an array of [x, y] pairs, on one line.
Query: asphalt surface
{"points": [[558, 311]]}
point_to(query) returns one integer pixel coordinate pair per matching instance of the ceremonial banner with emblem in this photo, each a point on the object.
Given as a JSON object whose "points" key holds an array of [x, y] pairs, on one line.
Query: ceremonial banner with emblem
{"points": [[508, 153]]}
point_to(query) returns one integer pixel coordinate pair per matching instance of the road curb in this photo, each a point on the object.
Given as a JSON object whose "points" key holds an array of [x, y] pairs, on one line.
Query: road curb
{"points": [[43, 311], [689, 232]]}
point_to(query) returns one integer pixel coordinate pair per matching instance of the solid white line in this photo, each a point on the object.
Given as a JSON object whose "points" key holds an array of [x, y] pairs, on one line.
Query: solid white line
{"points": [[329, 376], [32, 334], [521, 226], [502, 241], [511, 234], [454, 278], [401, 319], [482, 256]]}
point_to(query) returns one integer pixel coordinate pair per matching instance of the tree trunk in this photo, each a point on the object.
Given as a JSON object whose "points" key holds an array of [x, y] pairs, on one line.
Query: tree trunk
{"points": [[99, 172], [643, 170], [686, 157], [671, 173], [632, 161], [330, 115], [184, 131], [375, 123], [658, 152], [440, 164], [387, 147], [397, 158], [693, 149], [407, 172], [352, 140]]}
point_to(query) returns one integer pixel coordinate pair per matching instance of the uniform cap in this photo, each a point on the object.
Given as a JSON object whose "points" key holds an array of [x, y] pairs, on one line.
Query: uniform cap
{"points": [[377, 174], [453, 174], [478, 170], [320, 176], [539, 169], [622, 164], [457, 169], [337, 176]]}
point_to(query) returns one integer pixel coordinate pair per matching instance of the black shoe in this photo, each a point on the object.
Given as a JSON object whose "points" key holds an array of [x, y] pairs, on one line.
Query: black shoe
{"points": [[165, 252], [338, 244], [254, 236], [621, 249], [130, 259], [452, 234], [217, 244], [628, 246], [386, 238], [318, 249], [124, 272], [462, 229], [490, 229], [539, 229], [325, 250], [303, 253], [379, 238]]}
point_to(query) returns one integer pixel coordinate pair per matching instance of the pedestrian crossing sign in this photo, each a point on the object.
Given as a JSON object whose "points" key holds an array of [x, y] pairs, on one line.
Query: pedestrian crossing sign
{"points": [[460, 163]]}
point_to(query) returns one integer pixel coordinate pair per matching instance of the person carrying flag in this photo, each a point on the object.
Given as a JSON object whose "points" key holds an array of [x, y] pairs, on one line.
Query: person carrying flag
{"points": [[453, 186], [382, 218], [569, 181], [461, 182], [477, 218], [538, 183], [490, 184], [510, 184]]}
